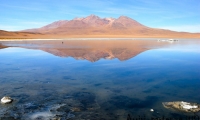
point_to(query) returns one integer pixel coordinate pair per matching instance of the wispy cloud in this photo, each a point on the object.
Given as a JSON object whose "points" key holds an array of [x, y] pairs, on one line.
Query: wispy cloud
{"points": [[117, 11], [177, 16], [24, 7]]}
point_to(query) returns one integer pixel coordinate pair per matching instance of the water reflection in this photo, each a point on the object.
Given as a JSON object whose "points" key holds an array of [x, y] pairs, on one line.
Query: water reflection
{"points": [[2, 46], [45, 86], [91, 50]]}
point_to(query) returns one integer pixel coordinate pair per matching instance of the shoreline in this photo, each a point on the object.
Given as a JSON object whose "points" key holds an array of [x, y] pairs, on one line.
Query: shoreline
{"points": [[99, 38]]}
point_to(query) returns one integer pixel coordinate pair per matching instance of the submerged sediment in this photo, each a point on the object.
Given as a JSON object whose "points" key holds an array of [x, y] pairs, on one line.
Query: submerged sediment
{"points": [[182, 106]]}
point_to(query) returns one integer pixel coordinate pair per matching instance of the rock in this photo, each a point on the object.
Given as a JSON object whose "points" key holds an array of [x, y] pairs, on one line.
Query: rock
{"points": [[151, 110], [6, 100], [182, 106]]}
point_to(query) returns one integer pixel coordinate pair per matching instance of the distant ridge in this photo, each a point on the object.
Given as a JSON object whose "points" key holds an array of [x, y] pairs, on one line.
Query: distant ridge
{"points": [[94, 26], [92, 23]]}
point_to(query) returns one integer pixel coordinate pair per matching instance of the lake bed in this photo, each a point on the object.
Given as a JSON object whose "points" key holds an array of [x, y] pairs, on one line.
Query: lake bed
{"points": [[103, 79]]}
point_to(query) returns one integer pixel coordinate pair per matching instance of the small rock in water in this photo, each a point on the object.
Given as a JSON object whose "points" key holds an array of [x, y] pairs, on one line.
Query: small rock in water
{"points": [[6, 100], [151, 110]]}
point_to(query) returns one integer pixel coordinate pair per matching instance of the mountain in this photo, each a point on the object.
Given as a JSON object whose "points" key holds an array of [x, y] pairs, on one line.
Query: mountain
{"points": [[94, 26], [126, 22], [2, 46], [89, 25], [48, 27]]}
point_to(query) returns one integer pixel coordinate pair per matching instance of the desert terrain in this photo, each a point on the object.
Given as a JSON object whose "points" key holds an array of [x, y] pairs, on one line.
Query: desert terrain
{"points": [[95, 27]]}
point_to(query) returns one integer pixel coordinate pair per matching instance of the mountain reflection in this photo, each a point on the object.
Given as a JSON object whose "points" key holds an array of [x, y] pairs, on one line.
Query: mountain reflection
{"points": [[91, 50], [2, 46]]}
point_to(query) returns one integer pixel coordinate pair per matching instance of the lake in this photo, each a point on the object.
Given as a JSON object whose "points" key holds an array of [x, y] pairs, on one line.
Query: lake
{"points": [[98, 79]]}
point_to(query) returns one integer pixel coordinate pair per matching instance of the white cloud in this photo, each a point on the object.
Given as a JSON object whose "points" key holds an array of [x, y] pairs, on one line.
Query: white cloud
{"points": [[27, 8], [118, 11]]}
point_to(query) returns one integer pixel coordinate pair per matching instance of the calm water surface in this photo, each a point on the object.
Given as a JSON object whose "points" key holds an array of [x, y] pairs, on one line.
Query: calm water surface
{"points": [[97, 80]]}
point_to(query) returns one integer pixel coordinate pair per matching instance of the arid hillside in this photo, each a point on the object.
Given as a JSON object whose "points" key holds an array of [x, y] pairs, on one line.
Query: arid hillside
{"points": [[93, 26]]}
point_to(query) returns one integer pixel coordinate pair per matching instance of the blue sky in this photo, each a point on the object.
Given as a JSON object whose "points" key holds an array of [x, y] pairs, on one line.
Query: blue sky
{"points": [[178, 15]]}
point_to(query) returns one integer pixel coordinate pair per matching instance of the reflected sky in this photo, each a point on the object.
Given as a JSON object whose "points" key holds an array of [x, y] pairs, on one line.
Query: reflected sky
{"points": [[92, 50], [150, 72]]}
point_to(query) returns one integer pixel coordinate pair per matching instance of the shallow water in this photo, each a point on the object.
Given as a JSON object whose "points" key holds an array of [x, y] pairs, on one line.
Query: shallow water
{"points": [[104, 79]]}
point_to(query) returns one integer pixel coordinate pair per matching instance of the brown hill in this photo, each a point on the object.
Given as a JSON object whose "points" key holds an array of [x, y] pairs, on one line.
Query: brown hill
{"points": [[90, 25], [18, 35], [94, 26], [126, 22], [2, 46], [48, 27]]}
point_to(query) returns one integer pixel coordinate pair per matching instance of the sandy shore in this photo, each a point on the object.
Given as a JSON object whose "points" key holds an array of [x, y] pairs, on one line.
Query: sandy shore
{"points": [[135, 38], [23, 36], [75, 39]]}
